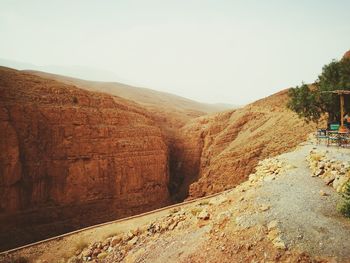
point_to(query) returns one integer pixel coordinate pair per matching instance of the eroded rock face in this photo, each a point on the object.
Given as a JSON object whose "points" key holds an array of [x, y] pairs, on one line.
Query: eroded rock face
{"points": [[232, 143], [71, 158]]}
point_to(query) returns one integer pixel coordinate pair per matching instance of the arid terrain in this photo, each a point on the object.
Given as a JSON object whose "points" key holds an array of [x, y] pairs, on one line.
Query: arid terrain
{"points": [[219, 151], [201, 141], [174, 131], [283, 213], [70, 152]]}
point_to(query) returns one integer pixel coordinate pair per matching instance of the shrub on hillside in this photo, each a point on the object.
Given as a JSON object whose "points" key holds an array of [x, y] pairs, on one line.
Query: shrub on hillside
{"points": [[311, 102], [344, 205]]}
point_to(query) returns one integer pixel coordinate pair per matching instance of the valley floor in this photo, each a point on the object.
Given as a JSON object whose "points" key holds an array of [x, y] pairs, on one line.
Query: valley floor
{"points": [[281, 214]]}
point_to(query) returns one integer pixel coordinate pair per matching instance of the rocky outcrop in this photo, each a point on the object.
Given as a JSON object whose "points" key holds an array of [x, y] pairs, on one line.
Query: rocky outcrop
{"points": [[71, 158], [346, 55], [332, 171], [228, 146]]}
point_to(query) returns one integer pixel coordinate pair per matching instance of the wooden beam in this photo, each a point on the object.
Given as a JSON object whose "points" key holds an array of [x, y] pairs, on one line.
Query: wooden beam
{"points": [[342, 109], [347, 92]]}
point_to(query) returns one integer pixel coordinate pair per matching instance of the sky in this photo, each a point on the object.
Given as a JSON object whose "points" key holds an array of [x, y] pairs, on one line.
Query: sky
{"points": [[214, 51]]}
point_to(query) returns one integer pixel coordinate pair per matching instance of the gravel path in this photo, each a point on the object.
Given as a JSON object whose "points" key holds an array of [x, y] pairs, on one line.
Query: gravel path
{"points": [[308, 221]]}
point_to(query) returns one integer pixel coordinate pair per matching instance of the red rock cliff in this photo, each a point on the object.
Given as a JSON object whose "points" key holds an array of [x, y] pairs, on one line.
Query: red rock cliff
{"points": [[71, 158], [223, 149]]}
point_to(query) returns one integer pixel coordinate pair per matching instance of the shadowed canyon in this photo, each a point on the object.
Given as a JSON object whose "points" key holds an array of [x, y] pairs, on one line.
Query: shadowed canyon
{"points": [[77, 153]]}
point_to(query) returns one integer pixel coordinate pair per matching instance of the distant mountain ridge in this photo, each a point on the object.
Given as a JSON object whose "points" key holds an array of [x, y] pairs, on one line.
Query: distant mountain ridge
{"points": [[145, 96]]}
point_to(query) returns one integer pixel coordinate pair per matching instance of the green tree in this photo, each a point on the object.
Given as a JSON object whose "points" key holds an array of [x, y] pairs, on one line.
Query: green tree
{"points": [[305, 102], [311, 101]]}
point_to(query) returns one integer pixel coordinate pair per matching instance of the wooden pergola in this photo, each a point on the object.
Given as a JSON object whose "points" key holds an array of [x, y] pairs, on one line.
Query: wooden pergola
{"points": [[341, 94]]}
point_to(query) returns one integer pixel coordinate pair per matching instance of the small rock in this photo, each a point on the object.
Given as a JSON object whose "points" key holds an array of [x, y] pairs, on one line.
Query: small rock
{"points": [[272, 225], [203, 215], [164, 226], [278, 243], [106, 242], [319, 172], [273, 234], [102, 255], [130, 234], [173, 225], [321, 165], [96, 252], [133, 241], [174, 210], [323, 193], [116, 240], [248, 246], [264, 208], [223, 217], [99, 245], [135, 232]]}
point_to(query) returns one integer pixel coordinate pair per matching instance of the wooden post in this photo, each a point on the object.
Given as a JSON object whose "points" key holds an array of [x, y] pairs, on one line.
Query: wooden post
{"points": [[341, 94], [342, 109], [342, 128]]}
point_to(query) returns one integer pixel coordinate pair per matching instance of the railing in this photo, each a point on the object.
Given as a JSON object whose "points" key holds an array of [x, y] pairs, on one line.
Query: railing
{"points": [[91, 235]]}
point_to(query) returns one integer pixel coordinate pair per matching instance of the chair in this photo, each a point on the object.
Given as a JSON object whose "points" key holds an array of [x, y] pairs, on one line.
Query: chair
{"points": [[333, 138], [344, 139], [321, 134]]}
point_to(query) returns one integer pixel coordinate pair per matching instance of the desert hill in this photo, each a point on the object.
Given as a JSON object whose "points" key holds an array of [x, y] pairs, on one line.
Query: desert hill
{"points": [[219, 151], [67, 147], [68, 154], [174, 110]]}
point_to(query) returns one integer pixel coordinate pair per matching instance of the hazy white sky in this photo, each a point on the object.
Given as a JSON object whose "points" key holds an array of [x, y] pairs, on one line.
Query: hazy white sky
{"points": [[208, 50]]}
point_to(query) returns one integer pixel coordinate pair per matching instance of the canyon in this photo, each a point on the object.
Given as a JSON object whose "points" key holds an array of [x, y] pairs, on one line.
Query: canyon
{"points": [[68, 154], [77, 153], [284, 212], [211, 148], [233, 142]]}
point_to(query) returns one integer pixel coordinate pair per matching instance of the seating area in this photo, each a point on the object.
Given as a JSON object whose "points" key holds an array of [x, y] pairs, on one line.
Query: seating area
{"points": [[337, 134], [333, 136]]}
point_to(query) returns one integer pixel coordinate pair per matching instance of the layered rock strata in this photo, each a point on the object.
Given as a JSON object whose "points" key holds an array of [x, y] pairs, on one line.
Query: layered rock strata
{"points": [[228, 145], [71, 158]]}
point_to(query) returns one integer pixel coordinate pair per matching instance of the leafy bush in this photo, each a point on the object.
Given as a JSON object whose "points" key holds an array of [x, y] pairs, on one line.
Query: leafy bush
{"points": [[312, 101], [344, 205]]}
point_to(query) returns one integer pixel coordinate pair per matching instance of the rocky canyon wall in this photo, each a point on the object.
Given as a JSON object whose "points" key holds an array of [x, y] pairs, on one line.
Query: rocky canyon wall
{"points": [[71, 158], [227, 146]]}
